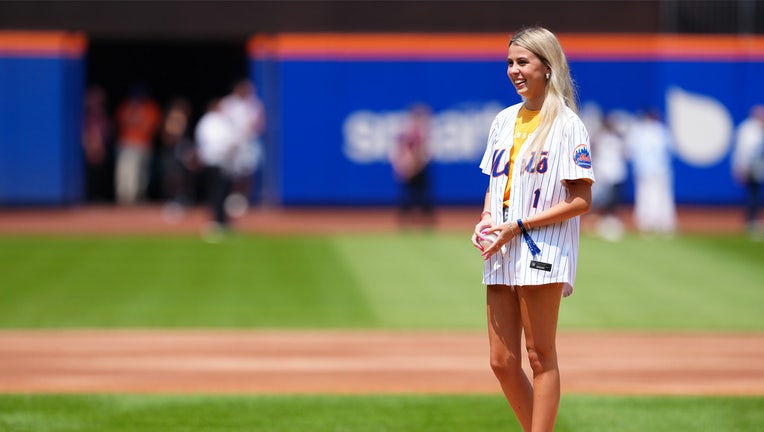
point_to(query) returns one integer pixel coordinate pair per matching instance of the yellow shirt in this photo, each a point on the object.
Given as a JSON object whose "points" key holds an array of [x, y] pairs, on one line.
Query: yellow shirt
{"points": [[527, 121]]}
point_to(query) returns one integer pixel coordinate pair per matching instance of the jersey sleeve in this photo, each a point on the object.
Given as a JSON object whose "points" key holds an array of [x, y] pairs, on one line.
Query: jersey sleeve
{"points": [[578, 151], [485, 163]]}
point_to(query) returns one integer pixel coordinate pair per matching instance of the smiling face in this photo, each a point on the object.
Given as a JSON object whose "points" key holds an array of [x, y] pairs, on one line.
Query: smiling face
{"points": [[528, 74]]}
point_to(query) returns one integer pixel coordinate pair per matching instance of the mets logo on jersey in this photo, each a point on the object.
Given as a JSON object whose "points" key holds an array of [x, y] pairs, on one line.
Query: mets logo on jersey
{"points": [[582, 157]]}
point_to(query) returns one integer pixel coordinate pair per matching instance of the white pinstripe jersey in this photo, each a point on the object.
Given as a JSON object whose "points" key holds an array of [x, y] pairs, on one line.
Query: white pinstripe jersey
{"points": [[536, 186]]}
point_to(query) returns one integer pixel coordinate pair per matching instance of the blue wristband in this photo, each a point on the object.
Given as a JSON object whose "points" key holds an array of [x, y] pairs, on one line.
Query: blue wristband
{"points": [[528, 240]]}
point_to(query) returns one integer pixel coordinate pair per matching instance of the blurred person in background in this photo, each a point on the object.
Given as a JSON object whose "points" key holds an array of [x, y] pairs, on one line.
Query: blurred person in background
{"points": [[410, 160], [540, 174], [649, 147], [138, 117], [748, 165], [609, 155], [247, 116], [217, 146], [97, 146], [178, 159]]}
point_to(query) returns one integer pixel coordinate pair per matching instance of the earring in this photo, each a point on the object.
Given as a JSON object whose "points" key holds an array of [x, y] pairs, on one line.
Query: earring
{"points": [[548, 75]]}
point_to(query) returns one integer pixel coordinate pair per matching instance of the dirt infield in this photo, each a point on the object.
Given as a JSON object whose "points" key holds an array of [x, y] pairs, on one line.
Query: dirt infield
{"points": [[153, 220], [364, 362], [151, 361]]}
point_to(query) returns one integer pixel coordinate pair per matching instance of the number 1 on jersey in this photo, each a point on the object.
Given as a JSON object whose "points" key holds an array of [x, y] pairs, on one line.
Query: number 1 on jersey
{"points": [[536, 196]]}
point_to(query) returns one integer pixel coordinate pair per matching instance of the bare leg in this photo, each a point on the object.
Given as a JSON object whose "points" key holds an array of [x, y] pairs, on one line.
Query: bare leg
{"points": [[539, 308], [504, 337]]}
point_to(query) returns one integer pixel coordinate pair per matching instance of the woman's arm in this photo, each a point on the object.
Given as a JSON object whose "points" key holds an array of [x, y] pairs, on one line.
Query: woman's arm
{"points": [[578, 202]]}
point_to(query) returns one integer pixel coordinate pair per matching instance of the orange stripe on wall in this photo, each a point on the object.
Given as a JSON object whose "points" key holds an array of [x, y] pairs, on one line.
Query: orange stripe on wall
{"points": [[378, 46], [492, 46], [676, 47], [42, 44]]}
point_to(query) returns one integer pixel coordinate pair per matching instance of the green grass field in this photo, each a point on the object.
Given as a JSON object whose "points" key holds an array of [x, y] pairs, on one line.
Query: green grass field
{"points": [[414, 281], [363, 281], [368, 413]]}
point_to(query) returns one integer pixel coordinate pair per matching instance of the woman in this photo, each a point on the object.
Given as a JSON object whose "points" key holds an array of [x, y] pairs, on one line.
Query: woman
{"points": [[539, 164]]}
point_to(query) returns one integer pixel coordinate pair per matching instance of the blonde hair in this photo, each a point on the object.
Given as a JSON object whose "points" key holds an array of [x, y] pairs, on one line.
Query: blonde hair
{"points": [[560, 90]]}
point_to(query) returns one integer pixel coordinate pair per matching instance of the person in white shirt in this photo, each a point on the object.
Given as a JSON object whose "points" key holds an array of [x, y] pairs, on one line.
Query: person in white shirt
{"points": [[247, 116], [748, 163], [649, 146], [217, 146], [609, 155]]}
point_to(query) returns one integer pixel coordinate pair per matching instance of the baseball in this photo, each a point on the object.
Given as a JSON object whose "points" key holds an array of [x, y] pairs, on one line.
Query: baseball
{"points": [[487, 240]]}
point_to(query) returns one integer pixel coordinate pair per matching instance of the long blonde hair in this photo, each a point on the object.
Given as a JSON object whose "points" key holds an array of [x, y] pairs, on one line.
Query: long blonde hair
{"points": [[560, 90]]}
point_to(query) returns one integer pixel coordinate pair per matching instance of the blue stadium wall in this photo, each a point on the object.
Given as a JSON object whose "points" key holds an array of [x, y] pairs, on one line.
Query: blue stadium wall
{"points": [[41, 85], [335, 102]]}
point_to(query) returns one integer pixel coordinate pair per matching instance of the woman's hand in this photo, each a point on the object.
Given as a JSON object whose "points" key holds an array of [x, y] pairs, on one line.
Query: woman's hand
{"points": [[486, 222], [504, 233]]}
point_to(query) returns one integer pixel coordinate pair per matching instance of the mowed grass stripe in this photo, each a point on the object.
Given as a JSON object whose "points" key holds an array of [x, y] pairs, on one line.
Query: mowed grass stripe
{"points": [[686, 282], [176, 282], [418, 279]]}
